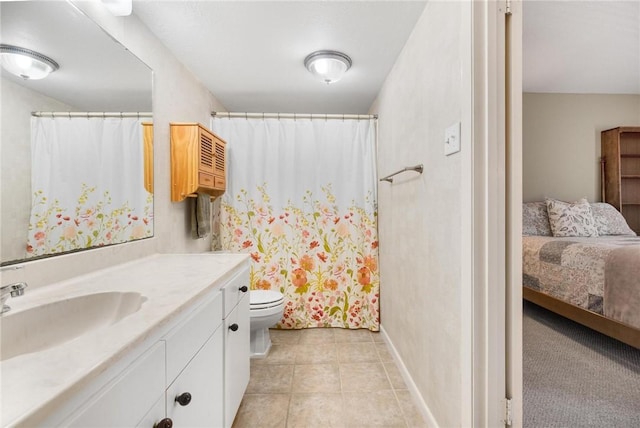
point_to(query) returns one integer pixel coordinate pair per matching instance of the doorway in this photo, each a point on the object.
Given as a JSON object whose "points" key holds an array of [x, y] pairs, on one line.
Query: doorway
{"points": [[568, 370]]}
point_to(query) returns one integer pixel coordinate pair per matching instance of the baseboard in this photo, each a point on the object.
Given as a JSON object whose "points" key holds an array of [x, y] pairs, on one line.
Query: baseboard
{"points": [[411, 386]]}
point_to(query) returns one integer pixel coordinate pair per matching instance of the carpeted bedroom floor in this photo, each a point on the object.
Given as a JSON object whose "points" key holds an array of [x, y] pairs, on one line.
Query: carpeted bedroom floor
{"points": [[575, 377]]}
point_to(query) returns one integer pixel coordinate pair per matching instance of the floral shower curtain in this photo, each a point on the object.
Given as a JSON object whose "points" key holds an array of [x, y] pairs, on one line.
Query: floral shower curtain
{"points": [[87, 182], [301, 199]]}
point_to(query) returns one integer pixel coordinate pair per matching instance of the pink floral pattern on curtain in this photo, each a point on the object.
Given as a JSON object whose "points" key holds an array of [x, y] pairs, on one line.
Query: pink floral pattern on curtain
{"points": [[322, 258], [93, 222]]}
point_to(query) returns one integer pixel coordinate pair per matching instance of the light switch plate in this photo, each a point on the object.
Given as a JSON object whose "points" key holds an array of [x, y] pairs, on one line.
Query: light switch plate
{"points": [[452, 139]]}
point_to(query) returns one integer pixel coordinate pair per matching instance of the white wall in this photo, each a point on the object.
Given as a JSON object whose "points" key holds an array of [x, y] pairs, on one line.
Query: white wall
{"points": [[561, 141], [15, 133], [177, 97], [421, 239]]}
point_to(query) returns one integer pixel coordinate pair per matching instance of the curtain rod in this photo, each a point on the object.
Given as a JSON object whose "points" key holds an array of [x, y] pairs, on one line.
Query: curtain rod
{"points": [[294, 116], [89, 114]]}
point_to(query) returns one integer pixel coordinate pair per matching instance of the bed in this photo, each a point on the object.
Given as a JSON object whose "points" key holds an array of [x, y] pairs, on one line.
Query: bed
{"points": [[592, 278]]}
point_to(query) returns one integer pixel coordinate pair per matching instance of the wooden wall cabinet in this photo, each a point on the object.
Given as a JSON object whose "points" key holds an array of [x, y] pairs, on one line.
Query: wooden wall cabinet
{"points": [[198, 161], [621, 172]]}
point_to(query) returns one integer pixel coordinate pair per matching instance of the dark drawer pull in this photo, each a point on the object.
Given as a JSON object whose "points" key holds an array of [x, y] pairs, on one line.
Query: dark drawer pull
{"points": [[233, 327], [183, 399], [244, 289], [164, 423]]}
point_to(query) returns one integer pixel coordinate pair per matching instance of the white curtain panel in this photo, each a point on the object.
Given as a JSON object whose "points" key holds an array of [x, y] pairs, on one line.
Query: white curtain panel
{"points": [[301, 199], [87, 181]]}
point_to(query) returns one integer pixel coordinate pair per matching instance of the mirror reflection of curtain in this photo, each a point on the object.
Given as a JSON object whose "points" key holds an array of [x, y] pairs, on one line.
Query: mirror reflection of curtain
{"points": [[301, 199], [87, 183]]}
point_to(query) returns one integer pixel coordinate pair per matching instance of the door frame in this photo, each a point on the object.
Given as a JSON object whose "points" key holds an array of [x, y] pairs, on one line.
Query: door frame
{"points": [[513, 262], [497, 211]]}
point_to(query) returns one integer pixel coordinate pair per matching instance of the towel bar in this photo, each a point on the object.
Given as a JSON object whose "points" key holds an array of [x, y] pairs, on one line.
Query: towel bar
{"points": [[417, 168]]}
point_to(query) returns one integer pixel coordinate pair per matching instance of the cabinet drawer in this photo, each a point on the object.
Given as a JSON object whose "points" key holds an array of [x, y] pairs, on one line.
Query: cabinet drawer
{"points": [[184, 341], [220, 182], [142, 383], [206, 180], [234, 290]]}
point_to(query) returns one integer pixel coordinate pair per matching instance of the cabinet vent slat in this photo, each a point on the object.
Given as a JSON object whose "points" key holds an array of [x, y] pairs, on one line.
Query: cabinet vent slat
{"points": [[220, 157], [206, 151]]}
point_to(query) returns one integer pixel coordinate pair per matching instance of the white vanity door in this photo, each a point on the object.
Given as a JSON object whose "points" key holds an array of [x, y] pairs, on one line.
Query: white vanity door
{"points": [[184, 341], [236, 358], [126, 399], [155, 415], [202, 379]]}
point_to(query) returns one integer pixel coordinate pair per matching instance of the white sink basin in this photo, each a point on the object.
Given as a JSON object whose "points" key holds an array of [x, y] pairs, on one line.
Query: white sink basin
{"points": [[52, 324]]}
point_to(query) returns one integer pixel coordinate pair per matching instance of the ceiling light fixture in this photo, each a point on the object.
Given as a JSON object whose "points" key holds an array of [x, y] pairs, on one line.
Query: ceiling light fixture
{"points": [[25, 63], [119, 7], [329, 66]]}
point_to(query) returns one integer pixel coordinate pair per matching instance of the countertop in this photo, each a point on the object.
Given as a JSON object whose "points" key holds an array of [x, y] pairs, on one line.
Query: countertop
{"points": [[35, 384]]}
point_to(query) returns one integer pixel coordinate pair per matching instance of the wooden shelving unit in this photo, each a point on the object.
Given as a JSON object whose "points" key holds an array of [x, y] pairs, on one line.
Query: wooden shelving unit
{"points": [[621, 172]]}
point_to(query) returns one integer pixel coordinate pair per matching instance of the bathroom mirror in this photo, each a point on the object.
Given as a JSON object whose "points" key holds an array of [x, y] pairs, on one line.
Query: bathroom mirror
{"points": [[100, 80]]}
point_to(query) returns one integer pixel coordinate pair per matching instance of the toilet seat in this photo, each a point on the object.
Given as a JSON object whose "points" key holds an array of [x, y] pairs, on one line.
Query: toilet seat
{"points": [[265, 299]]}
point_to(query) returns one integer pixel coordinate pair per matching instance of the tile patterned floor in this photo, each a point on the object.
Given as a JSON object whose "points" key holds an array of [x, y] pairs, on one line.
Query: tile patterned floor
{"points": [[321, 378]]}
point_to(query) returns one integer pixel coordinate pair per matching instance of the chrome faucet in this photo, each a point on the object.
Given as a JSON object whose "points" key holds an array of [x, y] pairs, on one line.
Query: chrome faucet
{"points": [[13, 290]]}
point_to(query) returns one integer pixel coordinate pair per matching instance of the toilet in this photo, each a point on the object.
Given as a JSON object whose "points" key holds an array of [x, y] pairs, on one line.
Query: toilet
{"points": [[266, 309]]}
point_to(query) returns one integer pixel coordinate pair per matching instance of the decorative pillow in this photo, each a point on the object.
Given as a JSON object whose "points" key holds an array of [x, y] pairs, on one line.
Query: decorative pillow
{"points": [[609, 221], [571, 219], [535, 220]]}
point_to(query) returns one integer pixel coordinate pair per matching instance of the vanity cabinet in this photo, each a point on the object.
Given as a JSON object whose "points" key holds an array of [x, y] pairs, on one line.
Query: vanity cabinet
{"points": [[179, 378], [198, 161], [194, 373]]}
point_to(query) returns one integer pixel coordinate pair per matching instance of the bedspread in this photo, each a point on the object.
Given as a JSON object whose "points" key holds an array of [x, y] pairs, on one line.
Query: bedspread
{"points": [[599, 274]]}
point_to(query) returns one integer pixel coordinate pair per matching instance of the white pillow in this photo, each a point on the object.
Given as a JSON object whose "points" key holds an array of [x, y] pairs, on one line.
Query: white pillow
{"points": [[609, 221], [571, 218]]}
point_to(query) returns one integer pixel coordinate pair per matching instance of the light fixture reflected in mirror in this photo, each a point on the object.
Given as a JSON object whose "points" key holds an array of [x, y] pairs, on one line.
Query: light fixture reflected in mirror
{"points": [[328, 66], [25, 63]]}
